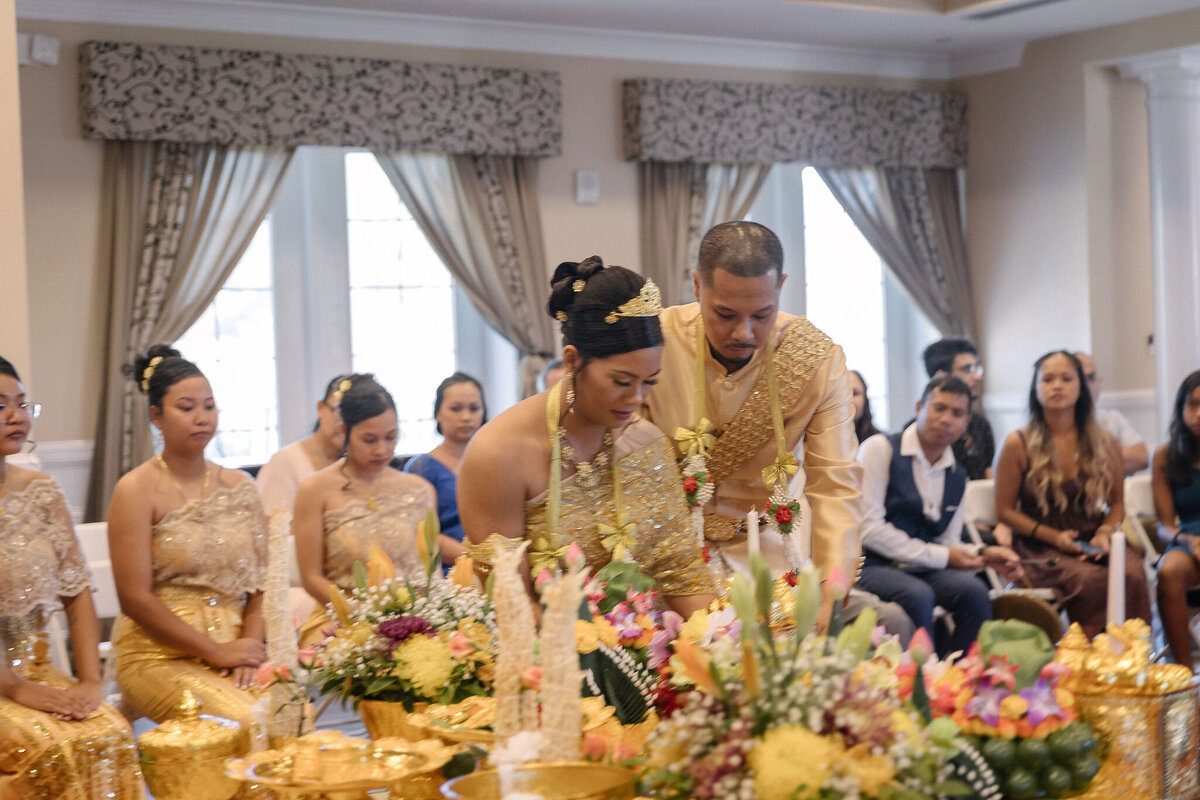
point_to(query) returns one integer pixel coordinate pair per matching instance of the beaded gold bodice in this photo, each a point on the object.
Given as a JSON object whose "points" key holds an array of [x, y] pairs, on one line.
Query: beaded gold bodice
{"points": [[40, 558], [653, 496], [217, 542], [388, 521]]}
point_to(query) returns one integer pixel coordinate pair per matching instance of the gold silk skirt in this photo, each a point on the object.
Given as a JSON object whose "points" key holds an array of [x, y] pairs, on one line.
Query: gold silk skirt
{"points": [[46, 758], [152, 676], [317, 627]]}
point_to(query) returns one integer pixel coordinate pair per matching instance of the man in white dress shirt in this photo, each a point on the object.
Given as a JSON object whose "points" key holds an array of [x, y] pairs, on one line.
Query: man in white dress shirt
{"points": [[913, 519], [1134, 455]]}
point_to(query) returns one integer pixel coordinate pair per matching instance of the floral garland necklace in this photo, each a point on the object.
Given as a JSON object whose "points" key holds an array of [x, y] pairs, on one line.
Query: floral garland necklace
{"points": [[617, 538]]}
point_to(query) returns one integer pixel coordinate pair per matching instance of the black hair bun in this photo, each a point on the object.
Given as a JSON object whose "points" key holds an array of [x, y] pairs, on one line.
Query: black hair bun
{"points": [[562, 295], [140, 363]]}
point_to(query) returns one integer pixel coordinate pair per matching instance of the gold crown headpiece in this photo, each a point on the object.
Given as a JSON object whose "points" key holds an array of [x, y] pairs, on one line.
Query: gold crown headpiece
{"points": [[648, 303], [336, 395], [148, 373]]}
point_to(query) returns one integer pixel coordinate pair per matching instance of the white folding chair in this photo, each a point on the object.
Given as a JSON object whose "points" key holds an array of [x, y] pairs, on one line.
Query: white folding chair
{"points": [[93, 540], [979, 508]]}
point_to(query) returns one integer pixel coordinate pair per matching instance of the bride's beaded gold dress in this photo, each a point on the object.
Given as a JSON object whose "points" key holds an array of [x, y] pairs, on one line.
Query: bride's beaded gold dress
{"points": [[652, 496], [207, 557], [389, 522], [42, 756]]}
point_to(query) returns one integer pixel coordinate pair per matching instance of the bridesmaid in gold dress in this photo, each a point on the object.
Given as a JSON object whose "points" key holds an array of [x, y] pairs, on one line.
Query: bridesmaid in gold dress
{"points": [[57, 740], [357, 502], [189, 553], [576, 464]]}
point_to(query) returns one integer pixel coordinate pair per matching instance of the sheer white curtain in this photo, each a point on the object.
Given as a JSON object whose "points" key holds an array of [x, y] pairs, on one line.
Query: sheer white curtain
{"points": [[913, 219], [678, 202], [178, 218], [481, 215]]}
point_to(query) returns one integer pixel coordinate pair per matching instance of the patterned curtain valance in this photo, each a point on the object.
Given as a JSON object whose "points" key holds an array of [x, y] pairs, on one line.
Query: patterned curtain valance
{"points": [[136, 92], [764, 123]]}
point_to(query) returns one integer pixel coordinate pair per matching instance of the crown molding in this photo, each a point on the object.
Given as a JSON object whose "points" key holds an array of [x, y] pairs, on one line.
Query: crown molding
{"points": [[993, 59], [247, 16]]}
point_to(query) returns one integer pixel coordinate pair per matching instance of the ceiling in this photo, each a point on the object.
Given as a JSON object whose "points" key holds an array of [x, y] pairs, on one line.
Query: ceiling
{"points": [[936, 39]]}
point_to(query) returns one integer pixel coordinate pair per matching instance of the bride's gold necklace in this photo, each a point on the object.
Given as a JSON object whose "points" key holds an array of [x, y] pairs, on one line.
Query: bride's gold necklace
{"points": [[588, 473], [162, 462]]}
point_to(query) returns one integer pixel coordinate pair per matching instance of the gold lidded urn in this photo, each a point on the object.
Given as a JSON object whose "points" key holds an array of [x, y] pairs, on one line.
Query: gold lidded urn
{"points": [[184, 758]]}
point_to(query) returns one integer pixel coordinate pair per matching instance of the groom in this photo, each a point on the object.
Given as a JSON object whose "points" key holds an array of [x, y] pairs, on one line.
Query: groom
{"points": [[737, 285]]}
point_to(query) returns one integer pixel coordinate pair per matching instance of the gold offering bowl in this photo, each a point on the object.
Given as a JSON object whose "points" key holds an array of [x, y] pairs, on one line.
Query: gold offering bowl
{"points": [[332, 766], [470, 722], [569, 780], [184, 758]]}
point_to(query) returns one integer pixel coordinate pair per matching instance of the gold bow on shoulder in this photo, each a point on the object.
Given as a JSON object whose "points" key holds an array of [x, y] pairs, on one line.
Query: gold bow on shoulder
{"points": [[694, 442], [618, 539], [544, 554], [782, 470]]}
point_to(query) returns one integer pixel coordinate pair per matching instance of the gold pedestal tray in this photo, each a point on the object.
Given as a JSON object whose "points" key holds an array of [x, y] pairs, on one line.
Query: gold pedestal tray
{"points": [[332, 766], [184, 758], [569, 780]]}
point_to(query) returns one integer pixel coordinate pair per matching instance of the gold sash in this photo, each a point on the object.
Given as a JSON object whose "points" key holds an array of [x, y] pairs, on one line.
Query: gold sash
{"points": [[801, 350]]}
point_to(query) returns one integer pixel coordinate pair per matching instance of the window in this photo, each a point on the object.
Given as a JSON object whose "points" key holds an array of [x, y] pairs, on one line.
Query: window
{"points": [[234, 343], [338, 279], [840, 283]]}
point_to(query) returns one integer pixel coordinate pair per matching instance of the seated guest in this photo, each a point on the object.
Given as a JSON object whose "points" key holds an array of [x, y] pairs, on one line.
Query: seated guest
{"points": [[280, 477], [864, 426], [1134, 455], [913, 519], [1176, 480], [459, 411], [57, 739], [960, 358], [358, 502], [188, 540], [1060, 487]]}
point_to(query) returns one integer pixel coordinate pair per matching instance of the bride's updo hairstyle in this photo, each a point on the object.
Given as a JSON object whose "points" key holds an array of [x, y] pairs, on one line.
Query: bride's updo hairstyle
{"points": [[363, 399], [158, 370], [585, 298]]}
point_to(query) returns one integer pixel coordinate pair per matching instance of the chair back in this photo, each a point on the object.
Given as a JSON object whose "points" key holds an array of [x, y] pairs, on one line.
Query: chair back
{"points": [[93, 539], [979, 502], [1139, 496]]}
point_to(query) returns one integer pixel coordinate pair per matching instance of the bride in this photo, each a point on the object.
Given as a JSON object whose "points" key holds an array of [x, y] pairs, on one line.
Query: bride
{"points": [[576, 464]]}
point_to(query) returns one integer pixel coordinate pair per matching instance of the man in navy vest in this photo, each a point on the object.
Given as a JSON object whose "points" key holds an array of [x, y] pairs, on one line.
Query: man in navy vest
{"points": [[913, 519]]}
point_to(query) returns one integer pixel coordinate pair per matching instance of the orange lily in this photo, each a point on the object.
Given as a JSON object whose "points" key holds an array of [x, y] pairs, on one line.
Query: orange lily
{"points": [[695, 665], [341, 606]]}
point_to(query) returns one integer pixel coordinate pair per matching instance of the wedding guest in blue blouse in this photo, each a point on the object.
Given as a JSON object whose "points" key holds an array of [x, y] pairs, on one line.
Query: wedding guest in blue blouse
{"points": [[459, 410]]}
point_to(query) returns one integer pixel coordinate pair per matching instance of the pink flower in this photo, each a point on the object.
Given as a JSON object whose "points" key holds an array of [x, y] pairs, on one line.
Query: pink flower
{"points": [[623, 751], [459, 646], [595, 747], [920, 646], [306, 657], [836, 585], [532, 678], [283, 672], [265, 674], [542, 579], [575, 556]]}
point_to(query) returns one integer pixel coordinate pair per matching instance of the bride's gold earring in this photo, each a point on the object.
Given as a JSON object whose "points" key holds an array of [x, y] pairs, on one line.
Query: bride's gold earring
{"points": [[569, 380]]}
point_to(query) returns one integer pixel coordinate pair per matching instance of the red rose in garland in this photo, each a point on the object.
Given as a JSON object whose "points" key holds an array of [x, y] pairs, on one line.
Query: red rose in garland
{"points": [[784, 514]]}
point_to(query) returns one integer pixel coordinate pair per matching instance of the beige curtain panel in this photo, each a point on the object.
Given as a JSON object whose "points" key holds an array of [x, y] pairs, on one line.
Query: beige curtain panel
{"points": [[913, 219], [149, 92], [677, 203], [766, 123], [481, 215], [179, 217]]}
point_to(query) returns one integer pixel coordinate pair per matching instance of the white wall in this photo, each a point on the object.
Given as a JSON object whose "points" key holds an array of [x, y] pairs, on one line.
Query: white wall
{"points": [[16, 337]]}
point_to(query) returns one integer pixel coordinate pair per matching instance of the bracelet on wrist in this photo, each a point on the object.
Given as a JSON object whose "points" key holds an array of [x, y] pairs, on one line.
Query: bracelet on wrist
{"points": [[1033, 533], [1177, 538]]}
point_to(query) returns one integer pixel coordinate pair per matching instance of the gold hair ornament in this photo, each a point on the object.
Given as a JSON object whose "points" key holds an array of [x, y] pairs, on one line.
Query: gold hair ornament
{"points": [[148, 373], [561, 316], [343, 386], [648, 303], [579, 285]]}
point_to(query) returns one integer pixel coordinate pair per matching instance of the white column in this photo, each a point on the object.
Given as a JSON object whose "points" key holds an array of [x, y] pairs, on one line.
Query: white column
{"points": [[1172, 82], [14, 283]]}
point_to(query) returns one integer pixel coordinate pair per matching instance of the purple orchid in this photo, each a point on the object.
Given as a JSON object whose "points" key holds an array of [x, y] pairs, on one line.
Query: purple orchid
{"points": [[985, 705], [1042, 701]]}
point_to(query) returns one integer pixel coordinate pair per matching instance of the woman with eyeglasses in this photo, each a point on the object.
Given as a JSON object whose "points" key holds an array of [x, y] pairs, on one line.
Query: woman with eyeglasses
{"points": [[188, 540], [56, 737]]}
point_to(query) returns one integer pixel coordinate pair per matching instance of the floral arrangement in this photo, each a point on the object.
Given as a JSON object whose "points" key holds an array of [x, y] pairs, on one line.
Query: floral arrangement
{"points": [[289, 711], [1009, 694], [618, 623], [410, 641], [803, 717]]}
